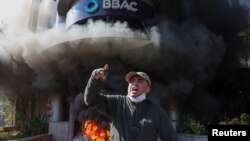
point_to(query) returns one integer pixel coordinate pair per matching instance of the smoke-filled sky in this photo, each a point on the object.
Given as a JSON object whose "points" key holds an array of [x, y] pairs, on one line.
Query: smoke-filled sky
{"points": [[23, 51], [180, 58]]}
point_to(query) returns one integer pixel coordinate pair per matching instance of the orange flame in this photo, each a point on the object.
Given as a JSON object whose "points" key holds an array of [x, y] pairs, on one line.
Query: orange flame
{"points": [[96, 133]]}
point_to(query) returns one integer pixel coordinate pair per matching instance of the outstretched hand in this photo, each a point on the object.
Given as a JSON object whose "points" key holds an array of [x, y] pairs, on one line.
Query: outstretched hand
{"points": [[101, 73]]}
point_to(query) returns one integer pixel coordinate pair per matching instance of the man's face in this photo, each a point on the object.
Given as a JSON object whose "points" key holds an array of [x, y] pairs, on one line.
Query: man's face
{"points": [[137, 86]]}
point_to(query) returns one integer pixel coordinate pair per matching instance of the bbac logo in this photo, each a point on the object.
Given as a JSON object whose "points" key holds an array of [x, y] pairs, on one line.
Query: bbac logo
{"points": [[118, 4], [91, 6]]}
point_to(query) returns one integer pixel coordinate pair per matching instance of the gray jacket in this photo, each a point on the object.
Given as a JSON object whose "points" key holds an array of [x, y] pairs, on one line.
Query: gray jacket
{"points": [[124, 115]]}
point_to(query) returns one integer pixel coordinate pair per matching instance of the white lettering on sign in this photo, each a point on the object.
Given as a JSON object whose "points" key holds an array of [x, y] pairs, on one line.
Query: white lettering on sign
{"points": [[117, 4], [106, 4]]}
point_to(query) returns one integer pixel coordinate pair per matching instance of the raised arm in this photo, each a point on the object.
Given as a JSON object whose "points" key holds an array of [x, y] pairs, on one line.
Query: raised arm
{"points": [[92, 94]]}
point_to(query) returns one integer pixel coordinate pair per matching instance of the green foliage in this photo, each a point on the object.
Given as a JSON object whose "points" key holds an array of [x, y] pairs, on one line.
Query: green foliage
{"points": [[7, 101], [30, 115], [9, 113], [5, 136], [243, 119], [246, 36], [25, 112], [37, 125], [9, 136], [193, 126]]}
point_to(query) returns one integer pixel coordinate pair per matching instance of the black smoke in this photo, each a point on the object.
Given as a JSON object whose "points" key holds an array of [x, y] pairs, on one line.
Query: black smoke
{"points": [[200, 47], [198, 44]]}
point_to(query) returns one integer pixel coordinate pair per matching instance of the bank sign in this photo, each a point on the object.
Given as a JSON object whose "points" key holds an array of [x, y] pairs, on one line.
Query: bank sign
{"points": [[85, 9]]}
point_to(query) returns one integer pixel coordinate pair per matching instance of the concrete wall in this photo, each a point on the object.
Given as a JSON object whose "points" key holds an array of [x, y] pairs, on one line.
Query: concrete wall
{"points": [[45, 137], [59, 130], [191, 137], [57, 108]]}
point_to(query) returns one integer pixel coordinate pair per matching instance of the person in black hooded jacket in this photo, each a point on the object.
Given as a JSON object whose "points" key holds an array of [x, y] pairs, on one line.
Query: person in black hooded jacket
{"points": [[134, 117]]}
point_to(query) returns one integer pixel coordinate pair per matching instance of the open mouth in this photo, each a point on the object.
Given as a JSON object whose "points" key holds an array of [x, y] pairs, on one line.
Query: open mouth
{"points": [[134, 89]]}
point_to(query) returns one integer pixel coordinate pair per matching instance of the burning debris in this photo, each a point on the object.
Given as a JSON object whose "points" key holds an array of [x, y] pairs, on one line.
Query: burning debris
{"points": [[93, 125], [95, 132]]}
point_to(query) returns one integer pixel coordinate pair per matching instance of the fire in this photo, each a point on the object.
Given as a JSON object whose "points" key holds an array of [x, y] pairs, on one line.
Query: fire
{"points": [[95, 132]]}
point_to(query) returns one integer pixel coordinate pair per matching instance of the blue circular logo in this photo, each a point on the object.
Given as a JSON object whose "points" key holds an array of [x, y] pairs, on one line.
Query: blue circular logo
{"points": [[91, 6]]}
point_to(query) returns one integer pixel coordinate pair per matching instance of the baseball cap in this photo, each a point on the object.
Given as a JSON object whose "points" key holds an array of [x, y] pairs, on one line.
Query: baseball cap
{"points": [[141, 74]]}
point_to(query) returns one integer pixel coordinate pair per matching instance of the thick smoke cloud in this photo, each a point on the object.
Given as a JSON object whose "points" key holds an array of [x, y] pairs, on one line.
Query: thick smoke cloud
{"points": [[40, 59], [180, 58]]}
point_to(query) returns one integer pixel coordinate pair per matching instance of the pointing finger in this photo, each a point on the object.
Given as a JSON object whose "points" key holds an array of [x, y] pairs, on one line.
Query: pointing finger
{"points": [[106, 67]]}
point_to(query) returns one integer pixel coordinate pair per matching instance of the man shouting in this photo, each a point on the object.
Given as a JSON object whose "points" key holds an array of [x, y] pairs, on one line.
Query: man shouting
{"points": [[134, 117]]}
